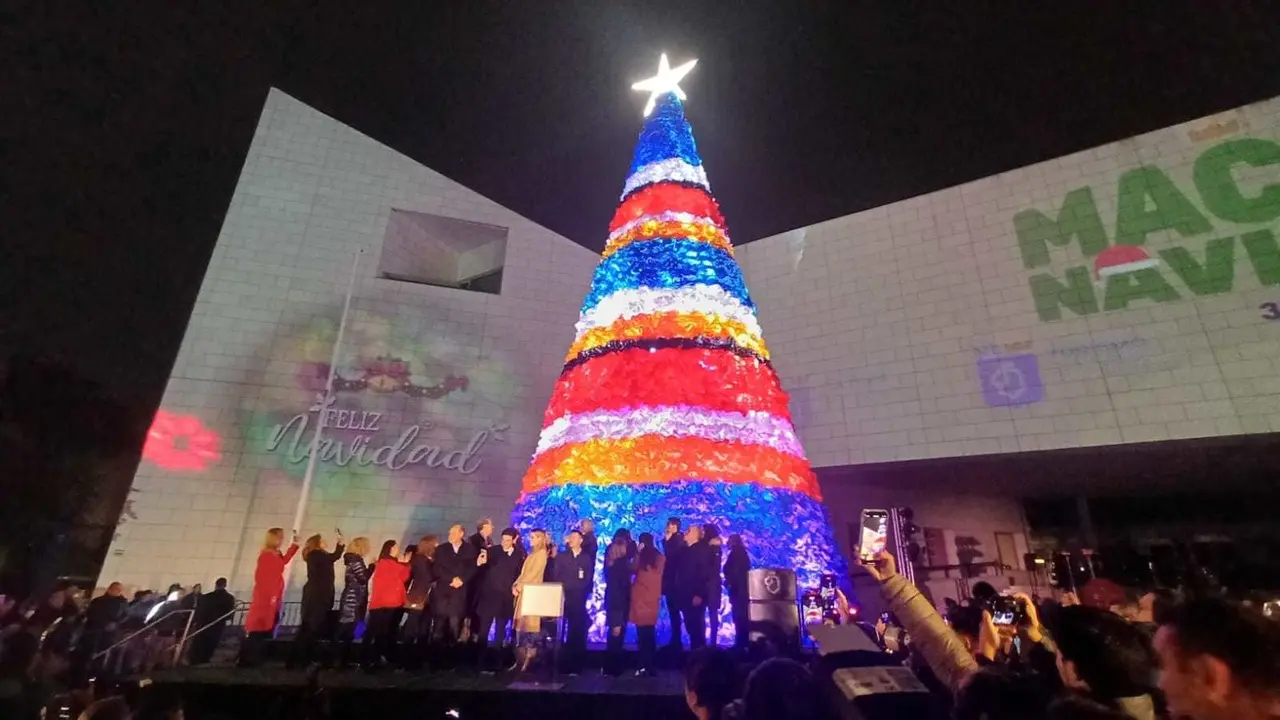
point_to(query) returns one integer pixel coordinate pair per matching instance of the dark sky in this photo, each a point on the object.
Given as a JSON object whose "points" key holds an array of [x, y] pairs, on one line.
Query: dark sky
{"points": [[124, 130]]}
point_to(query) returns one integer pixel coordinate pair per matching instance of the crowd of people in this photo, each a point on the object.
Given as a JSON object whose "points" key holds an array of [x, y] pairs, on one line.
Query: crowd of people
{"points": [[1194, 657], [436, 602], [1150, 656], [1147, 656], [51, 647]]}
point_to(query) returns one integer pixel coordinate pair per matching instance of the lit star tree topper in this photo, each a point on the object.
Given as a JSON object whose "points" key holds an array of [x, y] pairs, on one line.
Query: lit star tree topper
{"points": [[666, 81]]}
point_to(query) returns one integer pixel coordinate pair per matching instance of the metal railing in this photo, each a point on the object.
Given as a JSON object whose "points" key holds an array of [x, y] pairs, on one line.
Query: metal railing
{"points": [[112, 657], [146, 632], [290, 614], [240, 609]]}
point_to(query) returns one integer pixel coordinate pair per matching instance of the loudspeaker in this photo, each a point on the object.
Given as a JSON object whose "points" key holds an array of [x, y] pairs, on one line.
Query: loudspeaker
{"points": [[771, 584], [775, 621]]}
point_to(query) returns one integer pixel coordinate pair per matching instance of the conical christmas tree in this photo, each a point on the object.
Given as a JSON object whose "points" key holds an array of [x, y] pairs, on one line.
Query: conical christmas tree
{"points": [[668, 405]]}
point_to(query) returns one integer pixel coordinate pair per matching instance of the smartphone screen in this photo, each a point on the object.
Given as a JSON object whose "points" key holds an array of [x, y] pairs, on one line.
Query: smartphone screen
{"points": [[1005, 611], [827, 587], [875, 534], [827, 593], [811, 607]]}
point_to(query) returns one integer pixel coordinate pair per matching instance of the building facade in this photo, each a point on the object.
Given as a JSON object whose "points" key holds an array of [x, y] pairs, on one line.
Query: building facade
{"points": [[459, 320], [1124, 294]]}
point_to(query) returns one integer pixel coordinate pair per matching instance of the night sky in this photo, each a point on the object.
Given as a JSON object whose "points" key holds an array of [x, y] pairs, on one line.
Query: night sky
{"points": [[124, 132]]}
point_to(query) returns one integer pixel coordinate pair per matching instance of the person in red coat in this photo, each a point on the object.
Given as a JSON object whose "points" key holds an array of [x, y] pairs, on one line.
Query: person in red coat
{"points": [[268, 591], [386, 600]]}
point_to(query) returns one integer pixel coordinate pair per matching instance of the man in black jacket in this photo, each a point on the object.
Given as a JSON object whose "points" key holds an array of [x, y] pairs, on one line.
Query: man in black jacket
{"points": [[454, 564], [102, 622], [737, 569], [573, 570], [673, 546], [590, 545], [482, 541], [214, 607], [495, 603], [693, 582]]}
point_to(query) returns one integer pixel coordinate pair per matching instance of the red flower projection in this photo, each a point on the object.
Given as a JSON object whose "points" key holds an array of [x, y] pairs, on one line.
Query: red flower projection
{"points": [[181, 442]]}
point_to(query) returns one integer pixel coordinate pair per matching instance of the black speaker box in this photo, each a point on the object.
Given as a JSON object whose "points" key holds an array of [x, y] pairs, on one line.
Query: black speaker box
{"points": [[776, 621]]}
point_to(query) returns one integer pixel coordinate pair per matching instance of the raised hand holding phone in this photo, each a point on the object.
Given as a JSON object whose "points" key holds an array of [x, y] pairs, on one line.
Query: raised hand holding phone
{"points": [[882, 567], [874, 536]]}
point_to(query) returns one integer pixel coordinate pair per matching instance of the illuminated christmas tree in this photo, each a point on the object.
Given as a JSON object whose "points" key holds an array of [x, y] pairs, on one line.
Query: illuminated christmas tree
{"points": [[668, 405]]}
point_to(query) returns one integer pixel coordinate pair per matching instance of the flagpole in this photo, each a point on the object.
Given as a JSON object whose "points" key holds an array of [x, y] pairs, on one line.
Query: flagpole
{"points": [[309, 476]]}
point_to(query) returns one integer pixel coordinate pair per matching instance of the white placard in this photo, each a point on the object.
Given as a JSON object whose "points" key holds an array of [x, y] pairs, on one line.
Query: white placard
{"points": [[840, 638], [856, 682], [545, 600]]}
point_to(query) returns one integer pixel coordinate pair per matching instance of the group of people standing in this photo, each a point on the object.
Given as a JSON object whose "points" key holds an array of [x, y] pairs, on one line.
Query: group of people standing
{"points": [[686, 572], [433, 596]]}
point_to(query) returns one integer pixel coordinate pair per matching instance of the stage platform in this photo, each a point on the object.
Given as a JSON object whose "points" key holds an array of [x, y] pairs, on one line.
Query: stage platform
{"points": [[215, 692]]}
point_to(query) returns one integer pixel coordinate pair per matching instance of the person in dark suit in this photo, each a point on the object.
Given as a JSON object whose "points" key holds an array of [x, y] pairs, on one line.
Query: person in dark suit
{"points": [[215, 607], [711, 536], [673, 546], [495, 602], [573, 570], [736, 568], [590, 545], [103, 617], [693, 578], [481, 540], [317, 597], [455, 565], [483, 537], [102, 620], [618, 565]]}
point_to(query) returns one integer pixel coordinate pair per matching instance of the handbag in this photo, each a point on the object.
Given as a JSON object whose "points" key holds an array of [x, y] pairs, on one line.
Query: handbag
{"points": [[418, 602]]}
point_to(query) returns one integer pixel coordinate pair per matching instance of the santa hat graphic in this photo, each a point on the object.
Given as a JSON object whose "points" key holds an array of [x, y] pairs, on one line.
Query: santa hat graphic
{"points": [[1120, 260]]}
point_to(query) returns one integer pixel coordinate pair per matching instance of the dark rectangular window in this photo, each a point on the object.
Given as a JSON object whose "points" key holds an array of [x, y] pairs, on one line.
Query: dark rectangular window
{"points": [[446, 252]]}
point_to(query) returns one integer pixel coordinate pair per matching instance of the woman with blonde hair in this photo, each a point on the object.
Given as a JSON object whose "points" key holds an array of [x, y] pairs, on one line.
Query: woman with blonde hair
{"points": [[317, 596], [529, 629], [355, 596], [268, 591]]}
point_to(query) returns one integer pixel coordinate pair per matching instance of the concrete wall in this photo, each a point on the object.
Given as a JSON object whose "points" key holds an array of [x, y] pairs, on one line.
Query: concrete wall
{"points": [[965, 322], [970, 321], [480, 368]]}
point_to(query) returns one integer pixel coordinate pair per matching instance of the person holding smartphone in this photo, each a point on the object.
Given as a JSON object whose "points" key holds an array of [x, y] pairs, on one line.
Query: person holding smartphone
{"points": [[268, 592], [317, 596], [482, 541], [495, 605], [949, 657]]}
